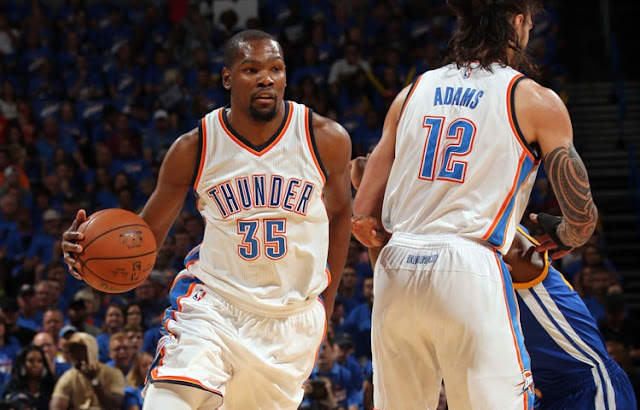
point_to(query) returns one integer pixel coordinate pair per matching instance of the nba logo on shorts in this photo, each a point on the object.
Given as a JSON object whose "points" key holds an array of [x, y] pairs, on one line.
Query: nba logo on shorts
{"points": [[527, 384]]}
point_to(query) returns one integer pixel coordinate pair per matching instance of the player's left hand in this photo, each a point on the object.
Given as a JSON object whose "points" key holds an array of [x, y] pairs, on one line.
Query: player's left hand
{"points": [[546, 243]]}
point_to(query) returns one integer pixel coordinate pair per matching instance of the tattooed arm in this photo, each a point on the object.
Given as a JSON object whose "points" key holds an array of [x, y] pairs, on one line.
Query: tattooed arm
{"points": [[545, 121]]}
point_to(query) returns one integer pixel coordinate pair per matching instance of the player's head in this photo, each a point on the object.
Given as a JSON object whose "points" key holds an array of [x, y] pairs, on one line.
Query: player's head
{"points": [[493, 31], [254, 73]]}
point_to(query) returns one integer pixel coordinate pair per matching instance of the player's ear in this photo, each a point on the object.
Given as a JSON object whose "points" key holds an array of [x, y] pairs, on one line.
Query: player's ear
{"points": [[226, 78]]}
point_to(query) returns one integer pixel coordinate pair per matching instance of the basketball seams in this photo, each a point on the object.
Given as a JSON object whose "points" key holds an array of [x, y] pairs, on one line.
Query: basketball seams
{"points": [[113, 236]]}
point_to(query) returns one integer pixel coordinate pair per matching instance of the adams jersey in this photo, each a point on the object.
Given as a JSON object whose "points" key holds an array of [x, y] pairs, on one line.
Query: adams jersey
{"points": [[266, 237], [466, 168]]}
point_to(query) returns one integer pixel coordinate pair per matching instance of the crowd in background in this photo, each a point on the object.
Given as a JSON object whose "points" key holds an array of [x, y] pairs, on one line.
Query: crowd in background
{"points": [[93, 93]]}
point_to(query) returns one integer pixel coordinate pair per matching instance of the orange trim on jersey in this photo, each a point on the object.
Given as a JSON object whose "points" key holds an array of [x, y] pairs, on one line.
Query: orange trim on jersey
{"points": [[273, 143], [180, 379], [328, 272], [203, 155], [406, 101], [506, 202], [512, 122], [513, 332], [307, 129]]}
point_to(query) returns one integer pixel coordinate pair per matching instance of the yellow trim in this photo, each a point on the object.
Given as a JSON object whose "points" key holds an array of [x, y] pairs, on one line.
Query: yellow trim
{"points": [[545, 270]]}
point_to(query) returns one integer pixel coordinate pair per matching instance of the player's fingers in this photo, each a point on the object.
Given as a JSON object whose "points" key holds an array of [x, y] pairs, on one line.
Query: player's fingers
{"points": [[533, 217], [560, 254], [68, 243]]}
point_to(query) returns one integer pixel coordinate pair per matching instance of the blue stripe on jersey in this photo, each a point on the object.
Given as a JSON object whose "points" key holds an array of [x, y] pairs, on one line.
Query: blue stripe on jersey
{"points": [[192, 256], [563, 339], [179, 289], [497, 236]]}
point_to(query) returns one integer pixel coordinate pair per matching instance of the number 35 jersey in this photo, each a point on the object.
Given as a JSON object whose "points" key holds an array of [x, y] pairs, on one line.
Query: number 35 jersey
{"points": [[462, 165], [266, 233]]}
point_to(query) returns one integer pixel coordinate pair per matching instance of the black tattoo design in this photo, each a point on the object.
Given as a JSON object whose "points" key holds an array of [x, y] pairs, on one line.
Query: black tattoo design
{"points": [[570, 182]]}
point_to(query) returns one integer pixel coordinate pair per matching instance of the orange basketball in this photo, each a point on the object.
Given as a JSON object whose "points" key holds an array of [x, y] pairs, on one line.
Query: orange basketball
{"points": [[119, 250]]}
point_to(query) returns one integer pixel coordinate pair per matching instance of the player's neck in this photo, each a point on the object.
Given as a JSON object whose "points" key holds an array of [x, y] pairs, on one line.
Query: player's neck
{"points": [[256, 132]]}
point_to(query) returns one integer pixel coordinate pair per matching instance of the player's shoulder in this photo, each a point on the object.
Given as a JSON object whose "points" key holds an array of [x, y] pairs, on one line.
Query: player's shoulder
{"points": [[332, 141], [534, 94]]}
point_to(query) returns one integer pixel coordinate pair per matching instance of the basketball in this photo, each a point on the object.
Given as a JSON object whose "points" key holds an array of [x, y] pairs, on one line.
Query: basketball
{"points": [[118, 250]]}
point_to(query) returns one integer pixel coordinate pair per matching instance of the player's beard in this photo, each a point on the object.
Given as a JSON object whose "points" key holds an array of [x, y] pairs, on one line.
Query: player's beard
{"points": [[263, 116]]}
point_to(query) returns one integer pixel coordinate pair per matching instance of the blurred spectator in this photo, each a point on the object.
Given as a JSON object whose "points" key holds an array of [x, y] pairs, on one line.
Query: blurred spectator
{"points": [[32, 378], [10, 312], [45, 342], [77, 315], [120, 352], [618, 325], [153, 296], [9, 348], [620, 353], [52, 324], [348, 289], [8, 99], [345, 346], [135, 381], [600, 281], [88, 383], [157, 139], [343, 384], [113, 323], [124, 78], [341, 70], [42, 249], [358, 322], [30, 316], [591, 255], [134, 315]]}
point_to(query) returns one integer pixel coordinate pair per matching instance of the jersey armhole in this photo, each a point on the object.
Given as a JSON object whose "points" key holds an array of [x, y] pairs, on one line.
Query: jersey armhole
{"points": [[199, 160], [512, 113], [312, 143]]}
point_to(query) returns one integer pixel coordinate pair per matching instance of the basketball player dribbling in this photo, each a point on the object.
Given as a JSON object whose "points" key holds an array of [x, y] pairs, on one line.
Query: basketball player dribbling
{"points": [[449, 181], [249, 312]]}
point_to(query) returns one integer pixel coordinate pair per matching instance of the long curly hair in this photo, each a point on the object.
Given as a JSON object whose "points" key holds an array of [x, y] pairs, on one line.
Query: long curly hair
{"points": [[485, 34]]}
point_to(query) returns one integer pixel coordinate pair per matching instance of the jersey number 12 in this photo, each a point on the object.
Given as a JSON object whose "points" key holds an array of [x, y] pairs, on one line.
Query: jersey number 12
{"points": [[458, 138]]}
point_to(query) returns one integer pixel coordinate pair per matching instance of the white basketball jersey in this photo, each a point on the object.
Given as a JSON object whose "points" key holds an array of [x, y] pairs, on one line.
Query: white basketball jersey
{"points": [[266, 238], [462, 165]]}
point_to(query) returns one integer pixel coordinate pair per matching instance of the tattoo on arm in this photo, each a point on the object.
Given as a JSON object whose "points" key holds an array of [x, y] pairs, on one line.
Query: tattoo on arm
{"points": [[570, 183]]}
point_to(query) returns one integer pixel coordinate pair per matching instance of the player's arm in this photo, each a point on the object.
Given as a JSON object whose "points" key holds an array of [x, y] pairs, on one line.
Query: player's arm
{"points": [[357, 167], [366, 223], [334, 148], [544, 119], [174, 182]]}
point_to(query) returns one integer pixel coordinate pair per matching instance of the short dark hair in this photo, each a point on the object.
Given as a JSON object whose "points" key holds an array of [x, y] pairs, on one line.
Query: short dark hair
{"points": [[233, 44]]}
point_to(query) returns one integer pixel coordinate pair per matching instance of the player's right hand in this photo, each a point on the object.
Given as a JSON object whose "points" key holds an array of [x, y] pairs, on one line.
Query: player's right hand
{"points": [[70, 247], [369, 231]]}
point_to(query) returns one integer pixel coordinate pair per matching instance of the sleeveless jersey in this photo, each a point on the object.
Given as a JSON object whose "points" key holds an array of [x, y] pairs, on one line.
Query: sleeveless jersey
{"points": [[465, 166], [266, 237], [562, 337]]}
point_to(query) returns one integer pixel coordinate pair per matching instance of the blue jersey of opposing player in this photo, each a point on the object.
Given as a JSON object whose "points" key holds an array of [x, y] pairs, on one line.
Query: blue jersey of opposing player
{"points": [[569, 360]]}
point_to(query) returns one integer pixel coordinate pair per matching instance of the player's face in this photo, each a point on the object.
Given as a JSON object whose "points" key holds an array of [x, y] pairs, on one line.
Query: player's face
{"points": [[257, 79], [523, 30]]}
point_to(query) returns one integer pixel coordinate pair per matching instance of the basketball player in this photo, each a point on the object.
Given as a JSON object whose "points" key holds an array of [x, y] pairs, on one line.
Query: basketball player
{"points": [[249, 312], [449, 181], [569, 361]]}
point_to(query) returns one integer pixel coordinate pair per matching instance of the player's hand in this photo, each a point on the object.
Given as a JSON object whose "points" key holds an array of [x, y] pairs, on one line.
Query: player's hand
{"points": [[69, 245], [369, 231], [548, 244]]}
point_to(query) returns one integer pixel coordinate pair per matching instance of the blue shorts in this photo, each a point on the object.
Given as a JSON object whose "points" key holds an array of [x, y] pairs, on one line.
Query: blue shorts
{"points": [[584, 394]]}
